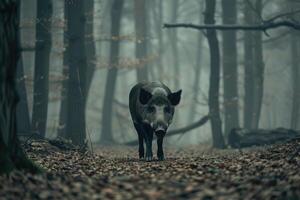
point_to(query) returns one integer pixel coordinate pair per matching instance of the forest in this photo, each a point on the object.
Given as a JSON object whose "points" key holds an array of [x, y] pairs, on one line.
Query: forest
{"points": [[149, 99]]}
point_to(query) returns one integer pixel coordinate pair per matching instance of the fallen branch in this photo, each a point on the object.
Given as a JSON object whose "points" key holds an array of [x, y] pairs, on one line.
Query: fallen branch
{"points": [[190, 127], [240, 138], [259, 27]]}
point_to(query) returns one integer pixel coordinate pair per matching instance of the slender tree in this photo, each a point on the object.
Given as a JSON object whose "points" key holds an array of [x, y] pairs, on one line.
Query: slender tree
{"points": [[141, 37], [248, 67], [41, 71], [254, 67], [196, 86], [160, 17], [295, 44], [89, 42], [295, 69], [259, 67], [174, 43], [11, 153], [76, 62], [110, 86], [61, 131], [23, 118], [214, 79], [230, 70]]}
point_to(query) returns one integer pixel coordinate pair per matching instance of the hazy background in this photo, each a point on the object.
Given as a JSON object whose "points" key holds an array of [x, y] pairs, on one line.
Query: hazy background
{"points": [[278, 84]]}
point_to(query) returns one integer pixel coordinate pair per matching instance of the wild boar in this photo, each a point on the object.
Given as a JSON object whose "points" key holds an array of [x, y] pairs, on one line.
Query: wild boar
{"points": [[152, 106]]}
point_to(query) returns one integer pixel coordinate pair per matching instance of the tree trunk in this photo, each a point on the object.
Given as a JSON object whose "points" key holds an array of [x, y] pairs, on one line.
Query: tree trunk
{"points": [[230, 70], [141, 37], [106, 133], [76, 61], [11, 153], [294, 39], [258, 69], [89, 43], [174, 44], [254, 69], [41, 71], [23, 118], [214, 79], [248, 73], [160, 40], [196, 86], [61, 130]]}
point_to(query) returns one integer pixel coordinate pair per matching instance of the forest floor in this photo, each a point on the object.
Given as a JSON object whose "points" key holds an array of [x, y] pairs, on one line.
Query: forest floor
{"points": [[196, 172]]}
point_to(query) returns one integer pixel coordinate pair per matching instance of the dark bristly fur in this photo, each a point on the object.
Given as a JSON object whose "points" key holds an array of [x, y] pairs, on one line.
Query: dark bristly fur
{"points": [[152, 106]]}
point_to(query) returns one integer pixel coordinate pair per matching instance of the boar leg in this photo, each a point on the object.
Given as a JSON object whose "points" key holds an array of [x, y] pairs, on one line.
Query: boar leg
{"points": [[148, 139], [141, 146], [140, 133], [160, 151]]}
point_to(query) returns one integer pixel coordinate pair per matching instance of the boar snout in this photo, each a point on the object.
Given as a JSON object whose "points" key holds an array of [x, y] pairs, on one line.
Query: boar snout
{"points": [[160, 129]]}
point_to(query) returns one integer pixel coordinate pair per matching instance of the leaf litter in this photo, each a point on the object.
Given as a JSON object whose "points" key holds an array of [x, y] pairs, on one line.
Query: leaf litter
{"points": [[114, 172]]}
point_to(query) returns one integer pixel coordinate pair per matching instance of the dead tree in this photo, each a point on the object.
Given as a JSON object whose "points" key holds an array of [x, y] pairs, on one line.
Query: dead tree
{"points": [[41, 71], [110, 85], [11, 153]]}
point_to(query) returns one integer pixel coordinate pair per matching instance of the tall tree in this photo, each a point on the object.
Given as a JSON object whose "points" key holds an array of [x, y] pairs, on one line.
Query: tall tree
{"points": [[159, 21], [174, 43], [11, 153], [141, 37], [61, 130], [89, 42], [76, 62], [230, 69], [214, 79], [259, 67], [23, 118], [248, 60], [196, 86], [295, 50], [254, 66], [295, 69], [110, 85], [41, 71]]}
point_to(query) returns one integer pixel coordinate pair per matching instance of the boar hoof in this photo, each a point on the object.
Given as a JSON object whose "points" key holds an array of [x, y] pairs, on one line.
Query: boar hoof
{"points": [[142, 158], [148, 158], [161, 158]]}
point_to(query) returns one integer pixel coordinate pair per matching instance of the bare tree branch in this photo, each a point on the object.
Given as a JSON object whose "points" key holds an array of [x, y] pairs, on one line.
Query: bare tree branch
{"points": [[258, 27], [190, 127]]}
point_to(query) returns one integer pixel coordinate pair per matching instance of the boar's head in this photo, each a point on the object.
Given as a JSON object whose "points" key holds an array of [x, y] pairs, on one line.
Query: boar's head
{"points": [[157, 109]]}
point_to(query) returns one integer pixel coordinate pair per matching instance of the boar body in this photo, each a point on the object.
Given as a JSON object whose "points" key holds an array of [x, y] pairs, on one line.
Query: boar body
{"points": [[152, 106]]}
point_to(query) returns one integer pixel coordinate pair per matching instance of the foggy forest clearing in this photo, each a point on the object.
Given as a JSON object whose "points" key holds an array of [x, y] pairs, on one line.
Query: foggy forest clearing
{"points": [[196, 172], [93, 73]]}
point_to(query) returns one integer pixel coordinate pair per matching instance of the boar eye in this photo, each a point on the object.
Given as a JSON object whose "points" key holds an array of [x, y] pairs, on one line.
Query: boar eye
{"points": [[150, 109], [167, 109]]}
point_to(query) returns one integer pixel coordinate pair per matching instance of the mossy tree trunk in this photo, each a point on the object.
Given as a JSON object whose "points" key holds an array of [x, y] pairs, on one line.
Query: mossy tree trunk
{"points": [[11, 153]]}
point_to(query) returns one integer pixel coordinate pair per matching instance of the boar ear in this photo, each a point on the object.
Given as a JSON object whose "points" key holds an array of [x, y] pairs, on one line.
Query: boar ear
{"points": [[174, 98], [145, 96]]}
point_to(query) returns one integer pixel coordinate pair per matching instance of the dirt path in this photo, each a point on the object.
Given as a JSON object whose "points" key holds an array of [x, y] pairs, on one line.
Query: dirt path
{"points": [[116, 173]]}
